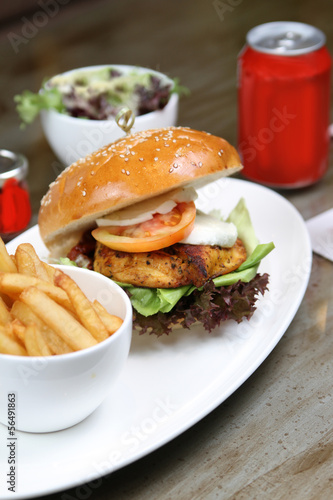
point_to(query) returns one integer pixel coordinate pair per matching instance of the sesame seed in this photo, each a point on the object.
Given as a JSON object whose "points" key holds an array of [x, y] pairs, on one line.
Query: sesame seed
{"points": [[141, 159], [126, 159], [127, 172], [166, 145], [175, 165], [122, 156], [155, 159], [200, 164], [84, 193], [123, 170], [170, 170]]}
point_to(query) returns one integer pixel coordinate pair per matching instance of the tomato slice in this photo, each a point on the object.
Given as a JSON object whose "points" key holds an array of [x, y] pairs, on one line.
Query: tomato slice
{"points": [[159, 232]]}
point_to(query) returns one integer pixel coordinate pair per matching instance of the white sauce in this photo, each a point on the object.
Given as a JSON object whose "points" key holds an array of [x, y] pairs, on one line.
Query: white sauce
{"points": [[211, 231]]}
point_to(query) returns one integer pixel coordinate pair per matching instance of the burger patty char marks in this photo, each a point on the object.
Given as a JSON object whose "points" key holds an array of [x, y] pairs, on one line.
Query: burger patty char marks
{"points": [[172, 267]]}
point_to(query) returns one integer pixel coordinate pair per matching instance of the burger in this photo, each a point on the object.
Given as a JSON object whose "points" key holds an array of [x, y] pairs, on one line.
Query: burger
{"points": [[128, 211]]}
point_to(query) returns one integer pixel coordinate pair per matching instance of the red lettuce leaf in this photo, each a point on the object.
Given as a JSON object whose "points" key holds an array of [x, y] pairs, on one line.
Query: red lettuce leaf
{"points": [[209, 306]]}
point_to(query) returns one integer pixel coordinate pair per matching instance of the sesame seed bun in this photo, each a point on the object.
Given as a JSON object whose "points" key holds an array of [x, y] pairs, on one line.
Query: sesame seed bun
{"points": [[140, 166]]}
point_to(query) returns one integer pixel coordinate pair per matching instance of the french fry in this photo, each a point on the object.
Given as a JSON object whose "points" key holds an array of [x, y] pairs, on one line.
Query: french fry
{"points": [[82, 306], [50, 271], [5, 315], [55, 343], [24, 262], [30, 341], [57, 294], [9, 331], [41, 342], [8, 345], [111, 322], [13, 285], [39, 269], [18, 330], [25, 315], [58, 319], [7, 264]]}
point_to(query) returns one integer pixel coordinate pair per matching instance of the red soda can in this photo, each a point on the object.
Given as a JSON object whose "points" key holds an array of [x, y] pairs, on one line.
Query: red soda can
{"points": [[284, 74]]}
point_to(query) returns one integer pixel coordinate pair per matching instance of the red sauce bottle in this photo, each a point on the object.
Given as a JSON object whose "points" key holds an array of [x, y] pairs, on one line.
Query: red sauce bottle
{"points": [[15, 209]]}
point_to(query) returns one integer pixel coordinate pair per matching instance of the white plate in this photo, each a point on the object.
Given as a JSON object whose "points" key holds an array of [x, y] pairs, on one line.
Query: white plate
{"points": [[170, 383]]}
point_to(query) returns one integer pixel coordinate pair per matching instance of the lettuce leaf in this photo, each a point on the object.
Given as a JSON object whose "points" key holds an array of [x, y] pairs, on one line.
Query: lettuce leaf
{"points": [[29, 104], [208, 306], [65, 261], [241, 218], [150, 301]]}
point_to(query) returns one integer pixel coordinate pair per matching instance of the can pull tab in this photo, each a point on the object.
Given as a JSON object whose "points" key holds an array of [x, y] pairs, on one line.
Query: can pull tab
{"points": [[125, 119], [289, 39]]}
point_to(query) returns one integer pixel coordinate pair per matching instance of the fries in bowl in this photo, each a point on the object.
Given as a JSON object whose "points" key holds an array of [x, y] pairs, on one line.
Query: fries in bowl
{"points": [[43, 311], [65, 336]]}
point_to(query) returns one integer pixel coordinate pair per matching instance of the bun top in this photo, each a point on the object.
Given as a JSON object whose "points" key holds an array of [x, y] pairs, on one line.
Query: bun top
{"points": [[130, 170]]}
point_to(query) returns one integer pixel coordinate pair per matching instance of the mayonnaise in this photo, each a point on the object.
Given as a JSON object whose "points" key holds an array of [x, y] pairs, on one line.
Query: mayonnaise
{"points": [[208, 230]]}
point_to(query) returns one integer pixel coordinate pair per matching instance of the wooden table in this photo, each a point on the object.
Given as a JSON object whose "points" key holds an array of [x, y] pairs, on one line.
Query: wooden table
{"points": [[273, 438]]}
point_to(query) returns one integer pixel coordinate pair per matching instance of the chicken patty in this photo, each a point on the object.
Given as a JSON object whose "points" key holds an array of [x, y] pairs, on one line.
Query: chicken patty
{"points": [[171, 267]]}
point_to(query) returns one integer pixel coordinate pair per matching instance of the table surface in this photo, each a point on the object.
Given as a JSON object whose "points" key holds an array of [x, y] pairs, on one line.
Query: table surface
{"points": [[274, 436]]}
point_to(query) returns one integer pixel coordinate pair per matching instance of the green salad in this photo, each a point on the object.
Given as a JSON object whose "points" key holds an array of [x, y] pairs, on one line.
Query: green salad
{"points": [[98, 94]]}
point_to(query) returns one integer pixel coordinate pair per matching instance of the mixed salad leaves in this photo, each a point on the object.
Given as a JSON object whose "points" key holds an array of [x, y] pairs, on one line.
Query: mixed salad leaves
{"points": [[98, 94]]}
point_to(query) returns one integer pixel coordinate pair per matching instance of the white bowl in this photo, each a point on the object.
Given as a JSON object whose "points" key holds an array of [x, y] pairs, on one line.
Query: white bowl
{"points": [[73, 138], [52, 393]]}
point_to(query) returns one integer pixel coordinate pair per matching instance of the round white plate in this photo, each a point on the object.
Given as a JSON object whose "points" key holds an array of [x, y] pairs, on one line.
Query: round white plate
{"points": [[171, 383]]}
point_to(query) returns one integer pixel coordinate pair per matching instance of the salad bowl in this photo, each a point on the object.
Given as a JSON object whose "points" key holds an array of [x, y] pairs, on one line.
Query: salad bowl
{"points": [[79, 107]]}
